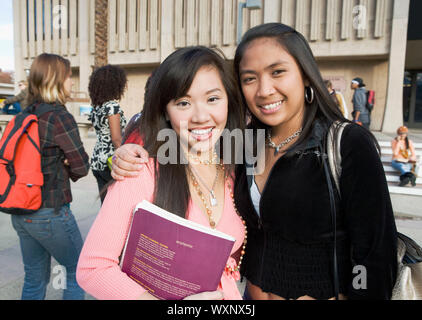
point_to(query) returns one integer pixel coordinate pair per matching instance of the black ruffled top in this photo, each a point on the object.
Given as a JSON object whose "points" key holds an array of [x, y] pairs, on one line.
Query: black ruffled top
{"points": [[290, 245]]}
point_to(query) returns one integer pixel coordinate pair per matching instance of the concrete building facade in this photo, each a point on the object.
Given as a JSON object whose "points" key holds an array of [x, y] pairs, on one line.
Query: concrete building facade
{"points": [[349, 38]]}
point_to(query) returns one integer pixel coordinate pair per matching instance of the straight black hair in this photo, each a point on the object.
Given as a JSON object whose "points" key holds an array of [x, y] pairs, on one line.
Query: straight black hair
{"points": [[323, 106]]}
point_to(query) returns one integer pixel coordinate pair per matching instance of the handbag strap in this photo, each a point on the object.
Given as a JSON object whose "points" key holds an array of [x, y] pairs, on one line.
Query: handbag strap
{"points": [[333, 151], [334, 160]]}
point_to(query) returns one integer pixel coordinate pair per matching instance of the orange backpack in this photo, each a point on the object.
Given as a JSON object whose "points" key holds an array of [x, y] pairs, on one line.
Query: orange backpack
{"points": [[21, 177]]}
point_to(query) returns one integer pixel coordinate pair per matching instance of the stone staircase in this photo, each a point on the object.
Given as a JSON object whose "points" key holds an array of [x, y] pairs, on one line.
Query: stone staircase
{"points": [[406, 201], [393, 176]]}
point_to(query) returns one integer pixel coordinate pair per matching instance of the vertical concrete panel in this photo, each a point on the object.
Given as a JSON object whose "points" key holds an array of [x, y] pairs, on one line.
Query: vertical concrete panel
{"points": [[288, 13], [19, 39], [142, 24], [255, 17], [204, 23], [40, 30], [91, 26], [56, 29], [73, 22], [215, 22], [64, 29], [393, 117], [346, 19], [84, 44], [112, 13], [23, 26], [121, 23], [154, 27], [132, 25], [380, 17], [31, 29], [190, 22], [271, 11], [48, 27], [179, 24], [302, 16], [316, 7], [167, 28], [227, 16], [331, 19]]}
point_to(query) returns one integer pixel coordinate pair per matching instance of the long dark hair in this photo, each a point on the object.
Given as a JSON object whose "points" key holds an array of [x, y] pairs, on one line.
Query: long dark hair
{"points": [[172, 80], [322, 107]]}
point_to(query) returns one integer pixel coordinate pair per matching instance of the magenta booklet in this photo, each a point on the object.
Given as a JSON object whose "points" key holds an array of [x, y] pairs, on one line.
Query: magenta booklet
{"points": [[173, 257]]}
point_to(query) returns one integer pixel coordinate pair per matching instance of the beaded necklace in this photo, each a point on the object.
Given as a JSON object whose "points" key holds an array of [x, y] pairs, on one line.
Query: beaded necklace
{"points": [[209, 213]]}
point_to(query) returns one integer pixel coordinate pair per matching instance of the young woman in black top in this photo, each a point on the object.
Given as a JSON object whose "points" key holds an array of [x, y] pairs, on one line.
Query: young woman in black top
{"points": [[287, 207]]}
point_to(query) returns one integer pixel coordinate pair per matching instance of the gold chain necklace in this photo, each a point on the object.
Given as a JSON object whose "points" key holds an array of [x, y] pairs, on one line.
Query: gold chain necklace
{"points": [[213, 199], [212, 160], [212, 222], [201, 195]]}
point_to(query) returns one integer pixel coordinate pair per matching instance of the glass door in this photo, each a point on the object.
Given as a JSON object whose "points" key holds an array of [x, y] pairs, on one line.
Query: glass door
{"points": [[412, 99]]}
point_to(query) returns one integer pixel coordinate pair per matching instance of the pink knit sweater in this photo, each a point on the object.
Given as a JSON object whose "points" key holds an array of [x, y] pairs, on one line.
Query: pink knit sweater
{"points": [[98, 271]]}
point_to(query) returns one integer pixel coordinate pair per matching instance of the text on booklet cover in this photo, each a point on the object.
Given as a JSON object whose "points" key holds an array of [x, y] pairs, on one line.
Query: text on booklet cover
{"points": [[172, 257]]}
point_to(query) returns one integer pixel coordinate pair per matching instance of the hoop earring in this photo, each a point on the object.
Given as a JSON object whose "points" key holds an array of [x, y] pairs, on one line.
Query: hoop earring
{"points": [[308, 99]]}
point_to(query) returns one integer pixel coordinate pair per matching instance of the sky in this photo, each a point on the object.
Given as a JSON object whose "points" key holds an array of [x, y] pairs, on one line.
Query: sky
{"points": [[6, 36]]}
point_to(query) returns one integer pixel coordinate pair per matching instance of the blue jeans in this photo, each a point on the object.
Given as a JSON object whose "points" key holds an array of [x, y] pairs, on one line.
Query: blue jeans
{"points": [[401, 166], [42, 235]]}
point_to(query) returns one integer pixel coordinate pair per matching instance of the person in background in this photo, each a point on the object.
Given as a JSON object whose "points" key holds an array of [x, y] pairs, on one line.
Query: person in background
{"points": [[18, 103], [360, 113], [337, 97], [131, 133], [52, 231], [193, 87], [107, 86], [404, 156]]}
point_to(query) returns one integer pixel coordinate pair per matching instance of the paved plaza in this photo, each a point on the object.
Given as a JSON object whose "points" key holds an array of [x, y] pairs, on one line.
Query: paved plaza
{"points": [[85, 207]]}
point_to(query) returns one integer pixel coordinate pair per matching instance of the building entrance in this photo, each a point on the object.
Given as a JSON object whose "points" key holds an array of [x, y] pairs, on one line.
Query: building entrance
{"points": [[412, 99]]}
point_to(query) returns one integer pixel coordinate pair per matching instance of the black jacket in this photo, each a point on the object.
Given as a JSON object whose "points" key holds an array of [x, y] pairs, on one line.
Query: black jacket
{"points": [[290, 246]]}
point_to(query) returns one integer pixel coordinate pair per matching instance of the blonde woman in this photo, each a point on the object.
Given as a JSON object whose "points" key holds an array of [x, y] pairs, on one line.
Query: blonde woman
{"points": [[52, 230]]}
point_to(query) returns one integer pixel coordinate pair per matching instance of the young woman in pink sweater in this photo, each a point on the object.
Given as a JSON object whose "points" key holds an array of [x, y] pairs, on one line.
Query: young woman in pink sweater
{"points": [[194, 96]]}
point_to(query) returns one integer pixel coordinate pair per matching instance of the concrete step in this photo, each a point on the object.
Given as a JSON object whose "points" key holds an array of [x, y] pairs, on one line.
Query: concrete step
{"points": [[408, 190], [391, 178], [387, 144], [390, 152]]}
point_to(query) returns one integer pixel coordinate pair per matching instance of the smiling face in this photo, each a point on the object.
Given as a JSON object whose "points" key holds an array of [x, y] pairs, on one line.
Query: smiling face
{"points": [[200, 116], [272, 84]]}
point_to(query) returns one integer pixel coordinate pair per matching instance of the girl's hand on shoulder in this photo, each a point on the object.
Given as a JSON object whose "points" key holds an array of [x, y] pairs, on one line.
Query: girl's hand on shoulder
{"points": [[128, 160], [207, 295]]}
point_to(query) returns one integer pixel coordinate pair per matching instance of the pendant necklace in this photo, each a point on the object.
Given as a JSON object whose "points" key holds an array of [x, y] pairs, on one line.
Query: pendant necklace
{"points": [[213, 199], [277, 147]]}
